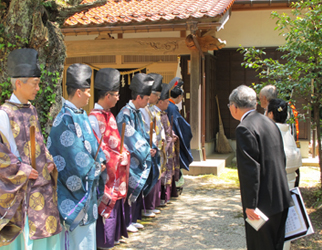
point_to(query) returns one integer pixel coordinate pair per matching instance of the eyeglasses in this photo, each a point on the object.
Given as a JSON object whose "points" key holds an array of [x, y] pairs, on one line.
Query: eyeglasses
{"points": [[156, 93], [117, 95], [228, 105]]}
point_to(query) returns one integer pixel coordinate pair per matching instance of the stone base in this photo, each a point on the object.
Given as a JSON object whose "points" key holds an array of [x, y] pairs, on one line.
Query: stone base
{"points": [[214, 164], [304, 147], [310, 162], [197, 154]]}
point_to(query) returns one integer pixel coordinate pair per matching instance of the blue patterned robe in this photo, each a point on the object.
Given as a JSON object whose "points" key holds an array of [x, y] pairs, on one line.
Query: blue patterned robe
{"points": [[143, 173], [182, 129], [80, 181]]}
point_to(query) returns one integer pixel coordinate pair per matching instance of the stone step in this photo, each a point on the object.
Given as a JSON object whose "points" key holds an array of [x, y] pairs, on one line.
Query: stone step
{"points": [[310, 162], [214, 164]]}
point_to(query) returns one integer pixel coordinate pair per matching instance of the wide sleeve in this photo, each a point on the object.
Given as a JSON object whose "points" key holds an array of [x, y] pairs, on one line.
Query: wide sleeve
{"points": [[13, 179], [73, 147], [135, 141], [146, 119], [35, 122], [248, 166], [183, 130], [68, 149], [169, 134], [5, 129], [95, 126]]}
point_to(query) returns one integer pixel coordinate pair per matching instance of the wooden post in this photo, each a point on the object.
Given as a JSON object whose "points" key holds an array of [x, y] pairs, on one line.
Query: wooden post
{"points": [[195, 97], [33, 146], [122, 137], [203, 98]]}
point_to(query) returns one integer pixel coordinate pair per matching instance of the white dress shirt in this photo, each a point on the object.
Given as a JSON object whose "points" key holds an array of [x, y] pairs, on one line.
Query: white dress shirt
{"points": [[249, 111], [70, 104], [5, 127]]}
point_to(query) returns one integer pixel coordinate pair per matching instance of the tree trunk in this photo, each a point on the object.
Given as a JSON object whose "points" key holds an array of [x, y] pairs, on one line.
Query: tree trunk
{"points": [[318, 130], [24, 25]]}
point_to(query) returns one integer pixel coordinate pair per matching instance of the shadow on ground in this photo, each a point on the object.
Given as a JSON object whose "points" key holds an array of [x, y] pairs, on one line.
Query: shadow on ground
{"points": [[201, 218]]}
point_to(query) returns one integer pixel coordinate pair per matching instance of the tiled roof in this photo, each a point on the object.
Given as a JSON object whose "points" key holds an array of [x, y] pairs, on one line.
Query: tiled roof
{"points": [[139, 11]]}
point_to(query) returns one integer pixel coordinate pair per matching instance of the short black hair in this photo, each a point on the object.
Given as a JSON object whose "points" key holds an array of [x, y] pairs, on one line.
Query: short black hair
{"points": [[176, 91], [71, 91], [279, 109], [99, 94], [134, 94]]}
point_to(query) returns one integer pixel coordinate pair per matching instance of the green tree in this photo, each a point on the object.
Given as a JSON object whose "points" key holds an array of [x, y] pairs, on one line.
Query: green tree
{"points": [[301, 71], [36, 24]]}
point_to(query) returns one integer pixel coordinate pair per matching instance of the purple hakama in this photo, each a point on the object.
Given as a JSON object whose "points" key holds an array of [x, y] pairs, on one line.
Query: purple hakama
{"points": [[174, 192], [152, 200], [133, 213], [114, 228], [157, 194], [165, 193]]}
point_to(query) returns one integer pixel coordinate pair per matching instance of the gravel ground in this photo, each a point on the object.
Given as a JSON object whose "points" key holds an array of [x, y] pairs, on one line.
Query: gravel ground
{"points": [[208, 215], [201, 218]]}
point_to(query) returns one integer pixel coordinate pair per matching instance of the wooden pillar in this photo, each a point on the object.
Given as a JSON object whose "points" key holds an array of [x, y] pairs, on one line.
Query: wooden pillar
{"points": [[195, 105], [195, 98]]}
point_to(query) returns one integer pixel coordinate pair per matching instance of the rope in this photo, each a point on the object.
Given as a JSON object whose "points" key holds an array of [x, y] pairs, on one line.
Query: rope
{"points": [[126, 72]]}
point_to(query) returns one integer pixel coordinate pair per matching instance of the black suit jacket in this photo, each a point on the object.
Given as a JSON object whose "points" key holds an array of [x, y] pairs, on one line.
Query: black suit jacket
{"points": [[261, 165]]}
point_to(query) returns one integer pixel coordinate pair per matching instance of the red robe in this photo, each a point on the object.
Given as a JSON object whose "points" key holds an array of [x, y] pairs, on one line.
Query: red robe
{"points": [[118, 171]]}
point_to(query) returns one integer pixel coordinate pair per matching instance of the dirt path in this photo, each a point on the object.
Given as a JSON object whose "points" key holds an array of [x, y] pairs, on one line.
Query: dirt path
{"points": [[208, 215], [201, 218]]}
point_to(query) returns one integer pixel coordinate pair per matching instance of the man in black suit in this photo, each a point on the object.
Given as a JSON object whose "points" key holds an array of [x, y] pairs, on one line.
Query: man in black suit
{"points": [[261, 170]]}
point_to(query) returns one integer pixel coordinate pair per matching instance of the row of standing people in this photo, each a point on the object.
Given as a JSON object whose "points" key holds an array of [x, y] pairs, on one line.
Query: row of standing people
{"points": [[87, 187]]}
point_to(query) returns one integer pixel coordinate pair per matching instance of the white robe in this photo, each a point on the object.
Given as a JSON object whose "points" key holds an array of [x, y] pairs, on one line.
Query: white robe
{"points": [[292, 153]]}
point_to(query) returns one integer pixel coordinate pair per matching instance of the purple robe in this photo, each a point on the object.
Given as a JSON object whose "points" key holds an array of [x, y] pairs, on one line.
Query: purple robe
{"points": [[18, 194]]}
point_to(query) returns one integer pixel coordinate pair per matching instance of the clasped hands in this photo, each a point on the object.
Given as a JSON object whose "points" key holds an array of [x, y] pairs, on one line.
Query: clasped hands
{"points": [[153, 152], [34, 173]]}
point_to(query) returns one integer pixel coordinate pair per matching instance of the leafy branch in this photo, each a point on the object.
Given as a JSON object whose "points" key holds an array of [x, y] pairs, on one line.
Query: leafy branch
{"points": [[46, 97], [299, 70]]}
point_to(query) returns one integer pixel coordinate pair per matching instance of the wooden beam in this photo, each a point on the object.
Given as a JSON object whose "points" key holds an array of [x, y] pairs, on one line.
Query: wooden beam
{"points": [[259, 6], [144, 46], [94, 32]]}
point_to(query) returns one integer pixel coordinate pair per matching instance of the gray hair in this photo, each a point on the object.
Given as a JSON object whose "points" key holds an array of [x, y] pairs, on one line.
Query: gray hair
{"points": [[270, 92], [13, 81], [243, 97]]}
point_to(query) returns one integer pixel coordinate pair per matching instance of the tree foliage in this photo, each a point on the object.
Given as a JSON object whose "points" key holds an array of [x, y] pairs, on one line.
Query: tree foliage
{"points": [[301, 69]]}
